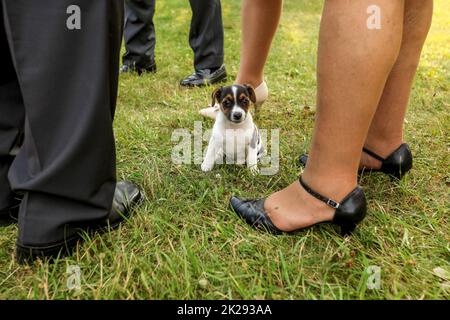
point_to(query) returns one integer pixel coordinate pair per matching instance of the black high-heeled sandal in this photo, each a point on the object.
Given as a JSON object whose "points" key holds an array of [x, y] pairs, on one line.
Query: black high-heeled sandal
{"points": [[396, 165], [349, 212]]}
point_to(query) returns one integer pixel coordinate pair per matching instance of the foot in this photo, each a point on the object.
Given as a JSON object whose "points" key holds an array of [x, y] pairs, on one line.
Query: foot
{"points": [[367, 162], [299, 206], [383, 149], [261, 93], [205, 77], [210, 111], [126, 197], [293, 208], [132, 68]]}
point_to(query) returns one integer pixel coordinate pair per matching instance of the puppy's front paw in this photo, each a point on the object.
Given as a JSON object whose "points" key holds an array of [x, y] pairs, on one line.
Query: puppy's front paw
{"points": [[206, 167]]}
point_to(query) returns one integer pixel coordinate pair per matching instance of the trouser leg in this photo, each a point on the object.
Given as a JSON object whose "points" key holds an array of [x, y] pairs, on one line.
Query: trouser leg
{"points": [[206, 34], [11, 117], [68, 79], [139, 33]]}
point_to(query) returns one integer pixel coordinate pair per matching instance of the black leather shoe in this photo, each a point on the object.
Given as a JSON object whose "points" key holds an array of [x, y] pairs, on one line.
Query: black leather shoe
{"points": [[9, 215], [396, 165], [127, 68], [349, 212], [126, 197], [205, 77]]}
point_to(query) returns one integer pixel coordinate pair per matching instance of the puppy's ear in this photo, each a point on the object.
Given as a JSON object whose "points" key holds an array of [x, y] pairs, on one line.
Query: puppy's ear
{"points": [[251, 92], [215, 96]]}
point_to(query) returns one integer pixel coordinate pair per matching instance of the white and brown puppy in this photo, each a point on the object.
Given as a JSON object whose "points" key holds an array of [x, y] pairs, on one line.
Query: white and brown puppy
{"points": [[234, 134]]}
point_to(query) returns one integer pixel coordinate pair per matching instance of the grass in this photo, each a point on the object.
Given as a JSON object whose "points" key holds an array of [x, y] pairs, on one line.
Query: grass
{"points": [[184, 243]]}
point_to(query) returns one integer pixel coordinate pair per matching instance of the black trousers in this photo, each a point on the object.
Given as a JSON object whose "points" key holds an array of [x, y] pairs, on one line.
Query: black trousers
{"points": [[205, 37], [58, 89]]}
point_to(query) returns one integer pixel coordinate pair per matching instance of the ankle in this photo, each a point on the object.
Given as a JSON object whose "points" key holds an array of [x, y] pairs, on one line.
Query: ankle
{"points": [[383, 146], [333, 186], [294, 207], [254, 81]]}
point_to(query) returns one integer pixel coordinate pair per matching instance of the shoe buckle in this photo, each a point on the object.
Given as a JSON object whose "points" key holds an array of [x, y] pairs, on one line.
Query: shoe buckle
{"points": [[333, 204]]}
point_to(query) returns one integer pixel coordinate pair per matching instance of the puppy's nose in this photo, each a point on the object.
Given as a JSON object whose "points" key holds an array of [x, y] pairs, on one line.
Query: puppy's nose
{"points": [[237, 116]]}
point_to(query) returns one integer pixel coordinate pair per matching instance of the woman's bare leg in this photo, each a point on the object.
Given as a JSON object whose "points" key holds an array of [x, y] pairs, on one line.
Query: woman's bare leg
{"points": [[386, 131], [260, 20], [259, 23], [353, 65]]}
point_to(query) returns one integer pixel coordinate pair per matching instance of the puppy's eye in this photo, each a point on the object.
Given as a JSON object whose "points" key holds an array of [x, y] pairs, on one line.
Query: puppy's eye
{"points": [[227, 103], [245, 101]]}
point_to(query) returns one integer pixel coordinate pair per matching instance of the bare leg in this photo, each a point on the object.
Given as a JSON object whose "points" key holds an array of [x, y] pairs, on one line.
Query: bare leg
{"points": [[386, 130], [259, 24], [353, 66]]}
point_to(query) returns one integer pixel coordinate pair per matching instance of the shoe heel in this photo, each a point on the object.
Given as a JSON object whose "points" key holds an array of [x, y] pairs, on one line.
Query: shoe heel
{"points": [[261, 92], [347, 229], [397, 164]]}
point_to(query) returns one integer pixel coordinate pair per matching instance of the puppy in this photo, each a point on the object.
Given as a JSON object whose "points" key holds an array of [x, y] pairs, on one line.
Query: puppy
{"points": [[234, 134]]}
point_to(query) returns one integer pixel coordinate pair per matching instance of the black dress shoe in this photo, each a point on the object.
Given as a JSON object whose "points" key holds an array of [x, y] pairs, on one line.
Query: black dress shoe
{"points": [[205, 77], [349, 212], [127, 68], [9, 215], [126, 197], [396, 165]]}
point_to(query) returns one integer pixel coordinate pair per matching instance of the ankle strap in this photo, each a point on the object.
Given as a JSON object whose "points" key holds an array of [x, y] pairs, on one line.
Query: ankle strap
{"points": [[318, 196], [373, 154]]}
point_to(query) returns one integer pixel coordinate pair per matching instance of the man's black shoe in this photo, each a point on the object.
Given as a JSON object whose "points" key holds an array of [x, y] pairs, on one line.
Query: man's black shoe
{"points": [[10, 215], [126, 197], [127, 68], [205, 77]]}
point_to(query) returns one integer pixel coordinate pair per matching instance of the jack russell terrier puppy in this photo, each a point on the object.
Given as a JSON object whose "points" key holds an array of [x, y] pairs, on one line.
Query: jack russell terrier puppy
{"points": [[234, 134]]}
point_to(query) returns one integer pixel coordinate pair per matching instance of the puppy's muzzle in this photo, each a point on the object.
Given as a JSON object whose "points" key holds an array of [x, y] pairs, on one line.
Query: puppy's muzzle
{"points": [[237, 116]]}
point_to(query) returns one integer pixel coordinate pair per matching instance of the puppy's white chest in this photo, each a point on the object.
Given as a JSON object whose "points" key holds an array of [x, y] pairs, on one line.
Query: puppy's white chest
{"points": [[236, 143]]}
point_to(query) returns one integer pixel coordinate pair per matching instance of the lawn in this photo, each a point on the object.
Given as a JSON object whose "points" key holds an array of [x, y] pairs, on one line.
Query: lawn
{"points": [[185, 243]]}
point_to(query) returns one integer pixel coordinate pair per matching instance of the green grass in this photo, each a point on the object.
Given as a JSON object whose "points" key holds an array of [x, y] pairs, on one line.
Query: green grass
{"points": [[185, 243]]}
